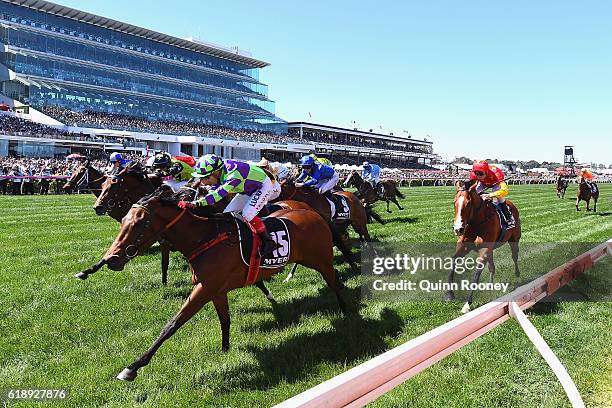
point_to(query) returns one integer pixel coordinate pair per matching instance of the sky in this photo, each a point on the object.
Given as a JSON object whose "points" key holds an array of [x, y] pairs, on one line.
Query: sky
{"points": [[509, 80]]}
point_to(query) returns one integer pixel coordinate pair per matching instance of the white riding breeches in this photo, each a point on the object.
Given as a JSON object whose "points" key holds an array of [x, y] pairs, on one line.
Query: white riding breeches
{"points": [[246, 206]]}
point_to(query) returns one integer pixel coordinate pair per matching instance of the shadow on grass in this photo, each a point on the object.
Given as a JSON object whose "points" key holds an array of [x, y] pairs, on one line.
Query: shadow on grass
{"points": [[403, 219], [604, 214], [351, 338]]}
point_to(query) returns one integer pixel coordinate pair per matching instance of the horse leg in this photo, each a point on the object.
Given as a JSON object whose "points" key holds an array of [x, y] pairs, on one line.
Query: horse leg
{"points": [[198, 297], [491, 265], [222, 308], [483, 256], [594, 204], [459, 253], [396, 203], [333, 282], [265, 290], [388, 210], [291, 273], [165, 261], [588, 201], [577, 201], [339, 243], [92, 269]]}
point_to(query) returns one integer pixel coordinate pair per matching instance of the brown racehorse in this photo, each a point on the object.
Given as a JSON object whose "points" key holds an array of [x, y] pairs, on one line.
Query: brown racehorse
{"points": [[118, 193], [90, 178], [585, 194], [562, 183], [477, 225], [131, 184], [369, 196], [215, 261], [358, 220]]}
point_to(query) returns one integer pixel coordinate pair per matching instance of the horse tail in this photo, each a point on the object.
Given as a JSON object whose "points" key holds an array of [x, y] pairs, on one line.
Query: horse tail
{"points": [[398, 192]]}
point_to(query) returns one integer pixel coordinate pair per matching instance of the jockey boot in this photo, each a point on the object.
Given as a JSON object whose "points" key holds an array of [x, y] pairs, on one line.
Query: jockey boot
{"points": [[334, 199], [267, 243], [507, 215]]}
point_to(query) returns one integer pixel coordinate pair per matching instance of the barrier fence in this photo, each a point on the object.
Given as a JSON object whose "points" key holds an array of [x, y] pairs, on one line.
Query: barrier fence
{"points": [[368, 381]]}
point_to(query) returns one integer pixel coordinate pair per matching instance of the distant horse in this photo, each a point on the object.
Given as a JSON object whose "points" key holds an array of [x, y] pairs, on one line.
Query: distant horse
{"points": [[562, 183], [369, 195], [477, 225], [218, 268], [585, 194]]}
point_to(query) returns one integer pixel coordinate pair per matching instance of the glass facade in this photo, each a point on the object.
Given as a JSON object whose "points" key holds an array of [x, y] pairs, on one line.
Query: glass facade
{"points": [[70, 64]]}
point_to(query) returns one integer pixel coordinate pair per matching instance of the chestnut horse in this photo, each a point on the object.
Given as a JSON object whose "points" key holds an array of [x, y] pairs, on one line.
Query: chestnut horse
{"points": [[212, 249], [88, 177], [585, 194], [358, 220], [477, 225], [562, 183], [369, 195], [115, 199]]}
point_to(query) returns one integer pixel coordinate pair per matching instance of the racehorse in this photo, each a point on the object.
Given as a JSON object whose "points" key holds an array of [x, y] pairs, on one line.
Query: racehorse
{"points": [[88, 177], [585, 194], [131, 184], [115, 199], [358, 219], [369, 195], [478, 228], [562, 183], [211, 246]]}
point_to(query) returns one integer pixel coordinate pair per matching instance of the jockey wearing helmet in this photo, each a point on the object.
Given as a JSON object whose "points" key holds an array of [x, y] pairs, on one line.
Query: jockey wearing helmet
{"points": [[278, 171], [491, 176], [371, 173], [175, 173], [117, 163], [251, 185], [587, 177], [319, 176]]}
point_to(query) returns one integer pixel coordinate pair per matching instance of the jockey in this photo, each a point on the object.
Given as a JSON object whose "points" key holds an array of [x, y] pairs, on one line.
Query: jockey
{"points": [[321, 177], [117, 163], [371, 173], [491, 176], [175, 173], [587, 177], [250, 184], [278, 171]]}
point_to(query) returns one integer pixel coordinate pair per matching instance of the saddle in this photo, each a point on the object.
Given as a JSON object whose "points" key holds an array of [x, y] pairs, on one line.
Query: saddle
{"points": [[340, 209]]}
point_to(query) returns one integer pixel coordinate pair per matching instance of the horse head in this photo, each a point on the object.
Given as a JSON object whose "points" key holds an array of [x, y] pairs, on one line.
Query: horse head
{"points": [[142, 226], [467, 202], [80, 178], [123, 189], [352, 179]]}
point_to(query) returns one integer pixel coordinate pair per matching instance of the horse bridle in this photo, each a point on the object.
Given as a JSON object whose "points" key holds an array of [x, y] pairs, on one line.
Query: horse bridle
{"points": [[148, 222], [111, 203]]}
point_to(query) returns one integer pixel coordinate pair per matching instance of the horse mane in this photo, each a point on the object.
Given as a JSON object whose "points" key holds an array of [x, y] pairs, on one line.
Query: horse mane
{"points": [[465, 185]]}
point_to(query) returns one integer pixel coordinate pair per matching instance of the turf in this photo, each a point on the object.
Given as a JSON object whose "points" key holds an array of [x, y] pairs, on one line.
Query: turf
{"points": [[60, 332]]}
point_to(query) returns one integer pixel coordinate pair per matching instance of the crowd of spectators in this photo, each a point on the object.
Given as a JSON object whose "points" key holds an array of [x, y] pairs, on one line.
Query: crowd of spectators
{"points": [[24, 176], [89, 118], [13, 125]]}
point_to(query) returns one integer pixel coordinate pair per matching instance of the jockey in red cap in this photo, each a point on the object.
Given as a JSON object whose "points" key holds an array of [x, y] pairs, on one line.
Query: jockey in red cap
{"points": [[491, 176]]}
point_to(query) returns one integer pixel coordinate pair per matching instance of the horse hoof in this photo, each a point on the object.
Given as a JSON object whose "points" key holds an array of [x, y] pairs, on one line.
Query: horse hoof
{"points": [[449, 296], [81, 275], [127, 375], [466, 308]]}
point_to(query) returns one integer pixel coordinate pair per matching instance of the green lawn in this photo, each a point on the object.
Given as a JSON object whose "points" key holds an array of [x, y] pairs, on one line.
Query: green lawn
{"points": [[60, 332]]}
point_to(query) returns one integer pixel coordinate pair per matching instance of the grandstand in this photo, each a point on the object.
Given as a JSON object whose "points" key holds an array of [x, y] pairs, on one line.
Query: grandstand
{"points": [[77, 82]]}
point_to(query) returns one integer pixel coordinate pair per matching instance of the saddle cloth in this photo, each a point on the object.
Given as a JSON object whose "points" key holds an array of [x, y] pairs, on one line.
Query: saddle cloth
{"points": [[343, 213], [278, 232]]}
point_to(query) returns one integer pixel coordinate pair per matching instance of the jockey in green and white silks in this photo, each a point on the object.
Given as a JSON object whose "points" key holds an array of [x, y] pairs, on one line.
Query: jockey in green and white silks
{"points": [[251, 185], [174, 173]]}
